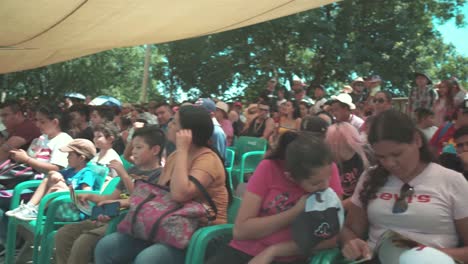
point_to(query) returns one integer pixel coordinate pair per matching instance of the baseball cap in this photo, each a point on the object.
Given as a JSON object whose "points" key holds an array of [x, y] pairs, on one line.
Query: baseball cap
{"points": [[222, 106], [81, 146], [322, 219], [357, 80], [206, 103]]}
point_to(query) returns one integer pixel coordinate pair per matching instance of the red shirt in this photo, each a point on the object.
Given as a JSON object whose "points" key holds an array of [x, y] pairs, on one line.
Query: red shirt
{"points": [[26, 130]]}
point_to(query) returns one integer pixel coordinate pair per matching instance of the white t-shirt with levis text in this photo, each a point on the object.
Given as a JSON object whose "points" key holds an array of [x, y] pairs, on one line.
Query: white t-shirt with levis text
{"points": [[439, 198]]}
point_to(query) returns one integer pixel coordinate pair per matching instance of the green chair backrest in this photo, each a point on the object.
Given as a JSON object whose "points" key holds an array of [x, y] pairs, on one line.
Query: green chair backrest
{"points": [[99, 170], [249, 144], [229, 161], [126, 164], [110, 187], [233, 209]]}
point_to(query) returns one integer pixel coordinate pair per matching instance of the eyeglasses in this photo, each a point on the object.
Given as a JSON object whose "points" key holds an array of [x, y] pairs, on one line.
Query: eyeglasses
{"points": [[401, 204], [379, 100]]}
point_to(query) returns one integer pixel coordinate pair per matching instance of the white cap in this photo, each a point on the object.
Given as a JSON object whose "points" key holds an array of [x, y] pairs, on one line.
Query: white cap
{"points": [[345, 99]]}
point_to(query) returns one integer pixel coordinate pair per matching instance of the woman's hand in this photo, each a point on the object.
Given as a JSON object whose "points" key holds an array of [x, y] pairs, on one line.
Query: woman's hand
{"points": [[19, 155], [300, 205], [118, 167], [87, 197], [103, 219], [108, 202], [356, 248], [183, 139], [265, 257]]}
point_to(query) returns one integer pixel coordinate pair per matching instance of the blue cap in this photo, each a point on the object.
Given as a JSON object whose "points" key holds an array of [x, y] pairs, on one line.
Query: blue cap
{"points": [[206, 103]]}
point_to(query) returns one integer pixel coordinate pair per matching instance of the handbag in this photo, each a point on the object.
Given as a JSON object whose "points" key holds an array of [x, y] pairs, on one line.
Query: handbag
{"points": [[153, 216], [12, 173]]}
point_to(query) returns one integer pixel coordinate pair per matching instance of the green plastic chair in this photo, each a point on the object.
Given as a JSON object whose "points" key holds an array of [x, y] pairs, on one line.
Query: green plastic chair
{"points": [[249, 151], [229, 164], [329, 256], [112, 226], [200, 240], [126, 164], [44, 227]]}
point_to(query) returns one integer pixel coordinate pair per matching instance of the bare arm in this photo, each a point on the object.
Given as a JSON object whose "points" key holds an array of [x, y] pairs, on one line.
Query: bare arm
{"points": [[297, 126], [42, 166], [95, 198], [12, 143], [128, 152], [269, 128], [286, 249], [86, 187], [460, 253], [353, 233], [21, 156], [123, 174], [249, 226]]}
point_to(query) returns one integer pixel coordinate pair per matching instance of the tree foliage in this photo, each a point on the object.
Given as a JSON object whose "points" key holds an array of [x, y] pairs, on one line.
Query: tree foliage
{"points": [[329, 45]]}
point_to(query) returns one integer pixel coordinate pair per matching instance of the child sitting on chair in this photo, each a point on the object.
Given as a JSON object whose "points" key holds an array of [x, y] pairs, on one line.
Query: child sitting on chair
{"points": [[78, 174]]}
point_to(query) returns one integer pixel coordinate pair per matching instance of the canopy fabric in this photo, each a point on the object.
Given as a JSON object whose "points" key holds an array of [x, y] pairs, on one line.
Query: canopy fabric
{"points": [[42, 32]]}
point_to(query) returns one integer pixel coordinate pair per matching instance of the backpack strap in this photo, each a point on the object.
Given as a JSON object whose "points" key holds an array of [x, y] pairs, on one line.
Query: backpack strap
{"points": [[205, 194]]}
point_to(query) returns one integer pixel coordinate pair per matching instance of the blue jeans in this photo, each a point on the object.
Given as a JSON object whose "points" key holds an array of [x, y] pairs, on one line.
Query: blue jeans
{"points": [[122, 248]]}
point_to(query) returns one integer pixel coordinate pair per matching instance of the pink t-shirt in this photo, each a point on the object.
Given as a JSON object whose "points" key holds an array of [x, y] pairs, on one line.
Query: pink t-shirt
{"points": [[439, 199], [278, 195]]}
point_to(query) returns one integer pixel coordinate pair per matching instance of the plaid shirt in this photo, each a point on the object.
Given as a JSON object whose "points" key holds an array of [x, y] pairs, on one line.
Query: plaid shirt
{"points": [[424, 98]]}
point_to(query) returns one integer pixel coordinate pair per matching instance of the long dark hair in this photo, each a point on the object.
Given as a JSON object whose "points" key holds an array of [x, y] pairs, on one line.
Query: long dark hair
{"points": [[197, 119], [397, 127]]}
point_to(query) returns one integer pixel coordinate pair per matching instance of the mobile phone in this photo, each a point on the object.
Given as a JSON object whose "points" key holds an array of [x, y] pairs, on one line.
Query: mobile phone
{"points": [[110, 209]]}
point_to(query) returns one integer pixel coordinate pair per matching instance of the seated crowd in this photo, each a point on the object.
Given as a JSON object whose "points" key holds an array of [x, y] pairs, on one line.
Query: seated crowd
{"points": [[382, 169]]}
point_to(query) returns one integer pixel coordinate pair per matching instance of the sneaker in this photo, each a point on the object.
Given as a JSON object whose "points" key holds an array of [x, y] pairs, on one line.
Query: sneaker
{"points": [[28, 213], [16, 210]]}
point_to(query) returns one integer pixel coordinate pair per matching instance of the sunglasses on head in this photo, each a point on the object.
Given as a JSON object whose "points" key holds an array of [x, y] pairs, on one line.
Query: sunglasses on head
{"points": [[401, 204], [379, 100]]}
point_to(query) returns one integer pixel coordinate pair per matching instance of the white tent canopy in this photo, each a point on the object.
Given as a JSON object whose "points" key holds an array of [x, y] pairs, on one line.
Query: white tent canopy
{"points": [[41, 32]]}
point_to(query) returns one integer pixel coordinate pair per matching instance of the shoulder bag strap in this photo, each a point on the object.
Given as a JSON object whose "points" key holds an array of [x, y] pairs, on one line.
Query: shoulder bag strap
{"points": [[206, 196]]}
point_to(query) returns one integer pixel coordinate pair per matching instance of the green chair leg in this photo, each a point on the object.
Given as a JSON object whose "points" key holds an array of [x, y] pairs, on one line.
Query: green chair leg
{"points": [[199, 243], [11, 241]]}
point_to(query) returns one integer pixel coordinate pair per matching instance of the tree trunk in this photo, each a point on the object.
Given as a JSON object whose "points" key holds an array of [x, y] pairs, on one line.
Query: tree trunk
{"points": [[144, 83]]}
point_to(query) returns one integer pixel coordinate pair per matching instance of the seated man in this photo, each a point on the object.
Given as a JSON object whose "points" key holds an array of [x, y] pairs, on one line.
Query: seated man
{"points": [[21, 131], [79, 175]]}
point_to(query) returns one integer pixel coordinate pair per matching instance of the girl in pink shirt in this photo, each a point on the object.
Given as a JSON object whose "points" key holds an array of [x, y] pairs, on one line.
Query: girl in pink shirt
{"points": [[275, 196]]}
